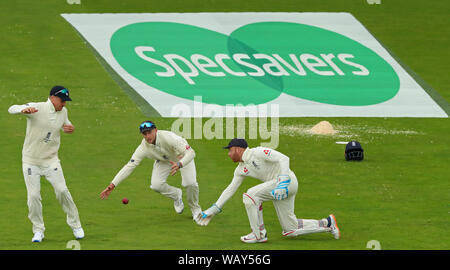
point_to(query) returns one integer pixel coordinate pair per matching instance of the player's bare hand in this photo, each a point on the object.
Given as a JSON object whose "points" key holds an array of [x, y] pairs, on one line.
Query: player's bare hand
{"points": [[105, 193], [29, 110], [68, 128], [175, 167]]}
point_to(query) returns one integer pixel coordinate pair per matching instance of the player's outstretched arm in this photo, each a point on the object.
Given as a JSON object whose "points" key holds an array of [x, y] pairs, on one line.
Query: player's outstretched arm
{"points": [[215, 209], [105, 193], [22, 109], [126, 170], [29, 110]]}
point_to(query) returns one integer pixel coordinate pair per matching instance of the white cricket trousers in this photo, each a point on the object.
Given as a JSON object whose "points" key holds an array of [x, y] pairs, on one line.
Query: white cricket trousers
{"points": [[162, 169], [54, 174], [255, 196]]}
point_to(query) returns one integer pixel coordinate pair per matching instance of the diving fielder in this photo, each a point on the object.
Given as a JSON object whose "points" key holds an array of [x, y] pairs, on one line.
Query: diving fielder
{"points": [[171, 153], [279, 185], [45, 120]]}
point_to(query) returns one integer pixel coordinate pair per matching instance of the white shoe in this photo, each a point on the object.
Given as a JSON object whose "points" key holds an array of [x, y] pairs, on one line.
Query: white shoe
{"points": [[78, 233], [178, 204], [334, 227], [38, 237], [251, 238]]}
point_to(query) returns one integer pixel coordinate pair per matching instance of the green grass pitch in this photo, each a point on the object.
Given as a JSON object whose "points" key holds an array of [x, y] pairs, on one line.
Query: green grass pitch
{"points": [[399, 195]]}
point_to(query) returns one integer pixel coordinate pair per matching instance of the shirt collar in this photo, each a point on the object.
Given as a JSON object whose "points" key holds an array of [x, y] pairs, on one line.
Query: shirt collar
{"points": [[50, 104], [157, 138], [246, 155]]}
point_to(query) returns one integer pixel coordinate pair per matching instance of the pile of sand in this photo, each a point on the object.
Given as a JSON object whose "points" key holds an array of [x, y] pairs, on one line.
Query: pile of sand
{"points": [[324, 128]]}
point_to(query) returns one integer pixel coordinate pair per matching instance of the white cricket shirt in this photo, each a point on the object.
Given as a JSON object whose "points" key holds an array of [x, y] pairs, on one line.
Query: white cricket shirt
{"points": [[261, 163], [42, 137]]}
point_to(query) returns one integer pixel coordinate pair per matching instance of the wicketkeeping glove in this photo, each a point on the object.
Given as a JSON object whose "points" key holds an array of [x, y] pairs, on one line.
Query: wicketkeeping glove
{"points": [[208, 214], [281, 192]]}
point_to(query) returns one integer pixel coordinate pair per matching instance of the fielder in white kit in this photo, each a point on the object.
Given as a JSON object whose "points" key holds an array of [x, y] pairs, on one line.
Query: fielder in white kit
{"points": [[45, 120], [171, 153], [279, 185]]}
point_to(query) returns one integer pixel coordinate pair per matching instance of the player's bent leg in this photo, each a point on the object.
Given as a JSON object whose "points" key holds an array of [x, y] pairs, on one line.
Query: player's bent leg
{"points": [[285, 208], [161, 171], [166, 190], [285, 212], [257, 235], [176, 194], [253, 199], [290, 224]]}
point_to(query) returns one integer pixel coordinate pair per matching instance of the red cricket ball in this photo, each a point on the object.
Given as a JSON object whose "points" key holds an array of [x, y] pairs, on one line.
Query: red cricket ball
{"points": [[125, 201]]}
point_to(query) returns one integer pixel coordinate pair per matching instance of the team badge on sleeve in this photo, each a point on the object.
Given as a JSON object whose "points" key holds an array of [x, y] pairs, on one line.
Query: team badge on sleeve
{"points": [[266, 151]]}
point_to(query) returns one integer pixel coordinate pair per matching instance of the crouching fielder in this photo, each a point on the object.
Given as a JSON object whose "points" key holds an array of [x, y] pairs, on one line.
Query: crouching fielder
{"points": [[171, 153], [279, 185]]}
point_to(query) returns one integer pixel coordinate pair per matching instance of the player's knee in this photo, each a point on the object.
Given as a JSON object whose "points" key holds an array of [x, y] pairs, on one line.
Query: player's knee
{"points": [[60, 188], [156, 187], [62, 193], [190, 186], [247, 199], [34, 197]]}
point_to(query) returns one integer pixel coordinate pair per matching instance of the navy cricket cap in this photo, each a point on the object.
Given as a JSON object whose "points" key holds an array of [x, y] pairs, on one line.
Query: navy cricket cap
{"points": [[61, 92], [146, 125], [237, 142]]}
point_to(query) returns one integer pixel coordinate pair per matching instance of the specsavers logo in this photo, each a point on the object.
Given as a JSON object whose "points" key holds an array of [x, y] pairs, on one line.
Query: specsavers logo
{"points": [[254, 64]]}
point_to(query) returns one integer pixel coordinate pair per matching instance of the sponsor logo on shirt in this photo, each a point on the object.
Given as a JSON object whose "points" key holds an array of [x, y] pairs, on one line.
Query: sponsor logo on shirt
{"points": [[255, 165], [47, 138]]}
